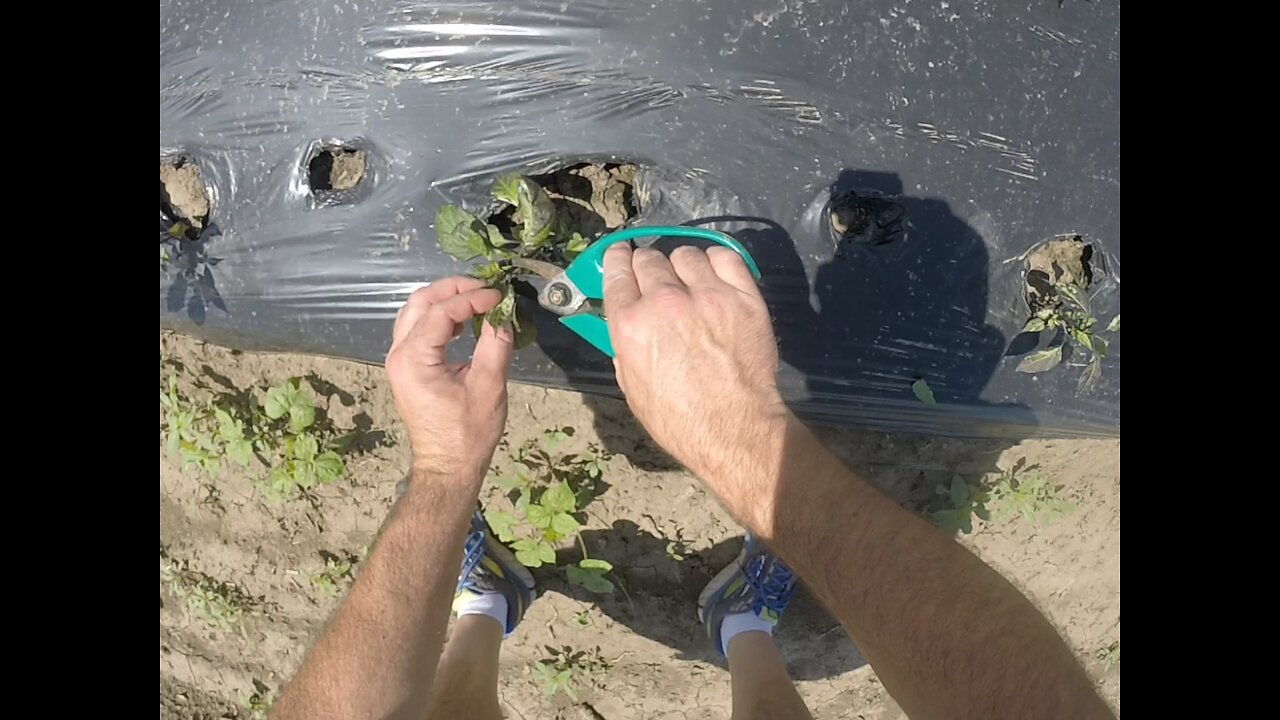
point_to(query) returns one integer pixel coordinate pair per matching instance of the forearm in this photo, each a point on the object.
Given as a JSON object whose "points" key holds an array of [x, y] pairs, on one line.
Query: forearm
{"points": [[947, 635], [378, 655]]}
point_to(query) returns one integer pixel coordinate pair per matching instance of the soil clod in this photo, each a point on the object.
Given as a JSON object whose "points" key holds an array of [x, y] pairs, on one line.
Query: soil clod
{"points": [[335, 169], [183, 199]]}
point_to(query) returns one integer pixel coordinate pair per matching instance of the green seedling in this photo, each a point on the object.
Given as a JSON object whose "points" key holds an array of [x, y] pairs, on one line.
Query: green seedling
{"points": [[1068, 317], [259, 702], [1109, 655], [334, 576], [581, 619], [958, 503], [537, 231], [220, 605], [187, 436], [676, 551], [1020, 492], [549, 493], [282, 432], [566, 670]]}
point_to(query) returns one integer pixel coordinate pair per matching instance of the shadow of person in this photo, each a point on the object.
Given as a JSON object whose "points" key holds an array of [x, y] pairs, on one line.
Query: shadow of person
{"points": [[901, 295], [657, 597]]}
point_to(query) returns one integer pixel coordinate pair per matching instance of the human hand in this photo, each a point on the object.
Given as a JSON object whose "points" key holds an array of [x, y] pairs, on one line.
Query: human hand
{"points": [[454, 412], [694, 350]]}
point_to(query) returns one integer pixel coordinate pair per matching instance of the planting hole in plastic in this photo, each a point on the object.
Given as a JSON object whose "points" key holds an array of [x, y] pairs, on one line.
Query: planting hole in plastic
{"points": [[1066, 259], [864, 216]]}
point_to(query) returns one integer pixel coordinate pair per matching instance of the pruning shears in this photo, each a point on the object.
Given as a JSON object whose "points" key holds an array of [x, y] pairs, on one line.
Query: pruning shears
{"points": [[575, 293]]}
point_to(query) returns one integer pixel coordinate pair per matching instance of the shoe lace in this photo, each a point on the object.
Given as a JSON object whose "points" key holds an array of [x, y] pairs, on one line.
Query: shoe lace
{"points": [[472, 551], [773, 588]]}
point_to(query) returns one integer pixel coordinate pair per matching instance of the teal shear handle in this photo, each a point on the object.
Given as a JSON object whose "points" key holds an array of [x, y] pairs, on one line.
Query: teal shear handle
{"points": [[586, 272]]}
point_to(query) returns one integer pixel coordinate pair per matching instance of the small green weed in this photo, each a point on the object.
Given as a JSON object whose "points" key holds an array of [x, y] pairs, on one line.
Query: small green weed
{"points": [[581, 619], [1069, 318], [259, 702], [335, 575], [566, 670], [281, 430], [220, 605], [960, 503], [549, 493], [1018, 492], [1022, 492], [537, 233], [1109, 655]]}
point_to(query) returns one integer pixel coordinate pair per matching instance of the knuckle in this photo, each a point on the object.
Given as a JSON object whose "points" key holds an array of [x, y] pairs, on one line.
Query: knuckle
{"points": [[686, 253], [670, 295]]}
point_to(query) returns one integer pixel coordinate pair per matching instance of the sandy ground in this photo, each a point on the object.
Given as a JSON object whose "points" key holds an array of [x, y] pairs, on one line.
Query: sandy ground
{"points": [[661, 666]]}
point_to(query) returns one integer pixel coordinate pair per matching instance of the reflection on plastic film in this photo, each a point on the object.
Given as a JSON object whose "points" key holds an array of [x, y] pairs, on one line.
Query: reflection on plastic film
{"points": [[1021, 164]]}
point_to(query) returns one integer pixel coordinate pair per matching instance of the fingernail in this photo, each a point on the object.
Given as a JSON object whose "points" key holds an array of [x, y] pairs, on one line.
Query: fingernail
{"points": [[505, 333], [619, 248]]}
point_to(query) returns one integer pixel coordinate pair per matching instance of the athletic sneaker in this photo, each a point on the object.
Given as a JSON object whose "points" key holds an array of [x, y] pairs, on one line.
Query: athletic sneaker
{"points": [[756, 582], [489, 567]]}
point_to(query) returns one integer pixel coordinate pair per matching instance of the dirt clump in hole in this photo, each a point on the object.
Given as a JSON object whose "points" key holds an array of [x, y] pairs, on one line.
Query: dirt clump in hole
{"points": [[1063, 260], [335, 169], [183, 198], [592, 198]]}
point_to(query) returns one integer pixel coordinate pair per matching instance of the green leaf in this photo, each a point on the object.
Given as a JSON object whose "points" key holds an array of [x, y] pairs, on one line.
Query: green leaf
{"points": [[1099, 346], [496, 239], [501, 313], [511, 482], [923, 392], [1072, 295], [1082, 338], [240, 451], [959, 493], [589, 578], [305, 448], [328, 467], [535, 212], [546, 553], [279, 400], [575, 246], [539, 516], [1114, 325], [528, 553], [525, 330], [501, 523], [507, 188], [1041, 360], [302, 415], [489, 271], [458, 233], [1035, 324], [564, 524], [1089, 378], [596, 564], [559, 499]]}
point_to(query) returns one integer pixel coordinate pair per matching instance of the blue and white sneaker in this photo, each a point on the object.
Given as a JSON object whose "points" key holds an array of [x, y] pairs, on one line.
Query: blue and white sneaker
{"points": [[756, 582], [489, 567]]}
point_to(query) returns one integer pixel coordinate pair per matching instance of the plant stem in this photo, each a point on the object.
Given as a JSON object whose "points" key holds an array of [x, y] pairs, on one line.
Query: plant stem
{"points": [[582, 544]]}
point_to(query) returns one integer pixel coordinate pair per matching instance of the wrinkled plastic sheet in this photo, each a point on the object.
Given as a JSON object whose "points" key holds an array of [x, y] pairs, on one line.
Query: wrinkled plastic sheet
{"points": [[990, 127]]}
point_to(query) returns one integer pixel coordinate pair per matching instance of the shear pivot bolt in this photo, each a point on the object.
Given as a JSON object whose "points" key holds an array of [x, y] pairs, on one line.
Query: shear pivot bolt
{"points": [[558, 295]]}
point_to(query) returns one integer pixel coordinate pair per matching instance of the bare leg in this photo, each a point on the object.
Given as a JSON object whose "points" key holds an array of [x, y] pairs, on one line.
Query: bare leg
{"points": [[762, 690], [466, 685]]}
